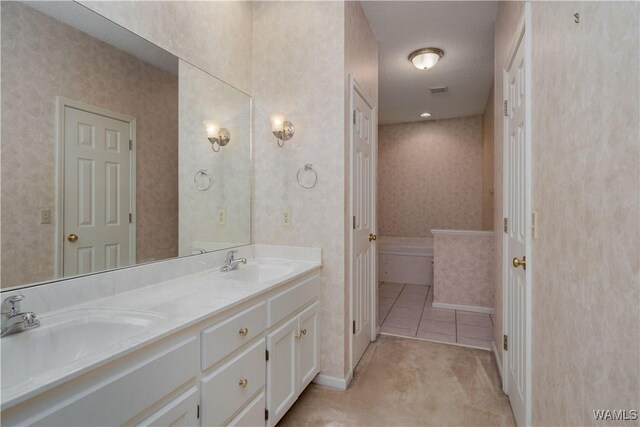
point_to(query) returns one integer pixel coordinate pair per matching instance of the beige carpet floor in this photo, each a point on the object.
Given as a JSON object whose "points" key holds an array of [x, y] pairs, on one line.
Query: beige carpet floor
{"points": [[408, 382]]}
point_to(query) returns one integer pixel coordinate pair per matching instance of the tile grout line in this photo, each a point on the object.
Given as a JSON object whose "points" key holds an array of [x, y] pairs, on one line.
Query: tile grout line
{"points": [[392, 305], [422, 311]]}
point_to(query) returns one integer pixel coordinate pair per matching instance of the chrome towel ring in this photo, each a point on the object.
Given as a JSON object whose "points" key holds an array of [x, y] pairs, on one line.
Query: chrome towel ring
{"points": [[202, 180], [308, 168]]}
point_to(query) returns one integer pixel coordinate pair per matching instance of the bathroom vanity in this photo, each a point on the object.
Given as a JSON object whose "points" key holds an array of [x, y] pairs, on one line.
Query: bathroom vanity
{"points": [[207, 348]]}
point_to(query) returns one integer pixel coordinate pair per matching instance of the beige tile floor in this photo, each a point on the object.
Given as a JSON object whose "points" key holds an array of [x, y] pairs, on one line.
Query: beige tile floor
{"points": [[406, 310], [409, 382]]}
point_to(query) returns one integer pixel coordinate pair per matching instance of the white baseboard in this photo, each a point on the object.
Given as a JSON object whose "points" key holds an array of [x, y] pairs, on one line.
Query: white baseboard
{"points": [[497, 357], [333, 382], [475, 309]]}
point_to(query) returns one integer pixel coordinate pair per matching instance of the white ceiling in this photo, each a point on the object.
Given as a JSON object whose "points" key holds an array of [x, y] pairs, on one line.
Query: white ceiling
{"points": [[464, 30]]}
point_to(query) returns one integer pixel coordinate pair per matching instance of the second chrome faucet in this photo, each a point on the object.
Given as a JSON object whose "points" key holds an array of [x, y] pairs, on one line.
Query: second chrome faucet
{"points": [[232, 263]]}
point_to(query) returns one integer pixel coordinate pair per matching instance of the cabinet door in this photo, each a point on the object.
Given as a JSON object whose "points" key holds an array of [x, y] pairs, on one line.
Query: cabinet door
{"points": [[309, 346], [282, 370], [180, 412]]}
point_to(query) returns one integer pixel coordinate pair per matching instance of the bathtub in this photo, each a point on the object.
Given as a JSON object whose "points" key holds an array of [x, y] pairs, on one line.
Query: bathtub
{"points": [[405, 260]]}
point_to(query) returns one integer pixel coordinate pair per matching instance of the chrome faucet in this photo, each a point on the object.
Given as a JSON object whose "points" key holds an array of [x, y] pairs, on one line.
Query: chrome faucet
{"points": [[232, 263], [13, 320]]}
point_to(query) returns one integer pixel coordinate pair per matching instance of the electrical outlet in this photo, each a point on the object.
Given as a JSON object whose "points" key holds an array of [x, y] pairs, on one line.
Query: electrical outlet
{"points": [[45, 216], [286, 217], [222, 216]]}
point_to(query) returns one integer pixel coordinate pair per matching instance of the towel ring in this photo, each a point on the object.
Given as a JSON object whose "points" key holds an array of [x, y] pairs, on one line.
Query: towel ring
{"points": [[307, 168], [196, 180]]}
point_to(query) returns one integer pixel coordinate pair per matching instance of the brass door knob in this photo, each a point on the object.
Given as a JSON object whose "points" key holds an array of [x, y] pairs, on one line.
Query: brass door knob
{"points": [[243, 383], [244, 332], [72, 237], [372, 237], [520, 262]]}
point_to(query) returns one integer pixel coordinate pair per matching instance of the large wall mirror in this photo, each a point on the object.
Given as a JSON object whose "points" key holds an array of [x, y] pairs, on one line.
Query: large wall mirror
{"points": [[114, 152]]}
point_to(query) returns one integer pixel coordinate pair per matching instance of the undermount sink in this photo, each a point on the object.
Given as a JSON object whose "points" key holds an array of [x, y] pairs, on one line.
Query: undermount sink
{"points": [[65, 338], [258, 272]]}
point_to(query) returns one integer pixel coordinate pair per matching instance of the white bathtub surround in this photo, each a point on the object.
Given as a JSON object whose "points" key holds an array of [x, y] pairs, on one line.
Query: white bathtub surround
{"points": [[161, 299], [405, 260], [463, 270]]}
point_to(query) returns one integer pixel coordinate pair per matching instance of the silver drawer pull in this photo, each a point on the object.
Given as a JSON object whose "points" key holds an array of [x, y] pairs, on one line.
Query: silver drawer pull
{"points": [[244, 332], [243, 383]]}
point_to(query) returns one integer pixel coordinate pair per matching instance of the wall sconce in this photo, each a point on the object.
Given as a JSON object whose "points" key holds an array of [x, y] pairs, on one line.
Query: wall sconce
{"points": [[282, 129], [216, 135]]}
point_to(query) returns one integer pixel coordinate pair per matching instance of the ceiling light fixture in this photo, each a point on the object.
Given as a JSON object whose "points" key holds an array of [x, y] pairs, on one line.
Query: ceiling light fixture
{"points": [[425, 115], [426, 58]]}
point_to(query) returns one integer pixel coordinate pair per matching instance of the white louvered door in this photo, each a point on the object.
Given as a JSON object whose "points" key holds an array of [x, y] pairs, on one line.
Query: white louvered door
{"points": [[97, 180]]}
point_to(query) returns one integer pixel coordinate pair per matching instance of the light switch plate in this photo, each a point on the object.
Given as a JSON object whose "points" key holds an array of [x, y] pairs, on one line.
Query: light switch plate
{"points": [[286, 217], [222, 216], [45, 216]]}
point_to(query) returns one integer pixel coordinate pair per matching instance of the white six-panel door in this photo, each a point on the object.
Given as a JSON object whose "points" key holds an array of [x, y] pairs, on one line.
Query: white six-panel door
{"points": [[97, 186], [517, 213], [363, 222]]}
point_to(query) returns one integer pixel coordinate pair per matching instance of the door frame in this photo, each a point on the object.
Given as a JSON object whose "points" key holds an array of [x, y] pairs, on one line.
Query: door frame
{"points": [[522, 35], [61, 103], [356, 87]]}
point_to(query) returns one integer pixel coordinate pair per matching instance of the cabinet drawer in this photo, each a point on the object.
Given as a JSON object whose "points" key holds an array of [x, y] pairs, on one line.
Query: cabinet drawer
{"points": [[286, 303], [252, 415], [222, 395], [223, 338], [131, 391], [180, 412]]}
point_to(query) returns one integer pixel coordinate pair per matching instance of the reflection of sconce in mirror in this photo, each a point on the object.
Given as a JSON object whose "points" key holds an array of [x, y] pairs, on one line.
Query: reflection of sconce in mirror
{"points": [[282, 129], [216, 135]]}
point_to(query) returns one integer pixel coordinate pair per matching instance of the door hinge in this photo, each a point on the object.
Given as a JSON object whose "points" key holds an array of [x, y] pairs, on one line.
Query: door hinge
{"points": [[130, 217], [506, 225], [505, 342], [266, 355], [506, 110], [130, 145], [266, 414], [354, 117], [198, 411], [354, 326], [354, 222]]}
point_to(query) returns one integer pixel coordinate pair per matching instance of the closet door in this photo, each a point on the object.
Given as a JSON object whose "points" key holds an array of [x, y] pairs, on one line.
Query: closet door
{"points": [[282, 368], [309, 345]]}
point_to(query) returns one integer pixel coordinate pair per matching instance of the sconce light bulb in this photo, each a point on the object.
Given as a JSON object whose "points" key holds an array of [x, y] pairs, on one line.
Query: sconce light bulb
{"points": [[212, 129], [277, 122]]}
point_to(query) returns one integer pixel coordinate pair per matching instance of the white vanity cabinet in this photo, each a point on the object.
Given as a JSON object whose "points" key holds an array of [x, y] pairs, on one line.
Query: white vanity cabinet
{"points": [[294, 355], [243, 366]]}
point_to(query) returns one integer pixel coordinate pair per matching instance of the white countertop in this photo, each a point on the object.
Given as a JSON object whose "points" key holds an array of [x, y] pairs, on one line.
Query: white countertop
{"points": [[179, 303]]}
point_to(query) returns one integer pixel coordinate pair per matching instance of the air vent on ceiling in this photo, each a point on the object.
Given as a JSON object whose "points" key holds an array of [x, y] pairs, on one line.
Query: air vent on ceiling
{"points": [[442, 89]]}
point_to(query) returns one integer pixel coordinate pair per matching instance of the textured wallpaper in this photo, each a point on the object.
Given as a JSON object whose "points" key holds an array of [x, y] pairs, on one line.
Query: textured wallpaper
{"points": [[202, 97], [213, 35], [430, 177], [64, 61], [470, 283], [305, 81], [586, 173]]}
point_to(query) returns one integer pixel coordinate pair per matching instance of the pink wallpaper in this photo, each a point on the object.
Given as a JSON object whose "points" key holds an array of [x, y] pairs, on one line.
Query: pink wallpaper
{"points": [[430, 177], [469, 282], [64, 61]]}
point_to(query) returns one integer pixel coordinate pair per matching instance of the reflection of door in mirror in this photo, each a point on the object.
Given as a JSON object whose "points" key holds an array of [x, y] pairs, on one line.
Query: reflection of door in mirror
{"points": [[98, 190]]}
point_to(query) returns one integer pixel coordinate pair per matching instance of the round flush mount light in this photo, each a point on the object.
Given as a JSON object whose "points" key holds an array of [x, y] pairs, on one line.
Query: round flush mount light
{"points": [[425, 115], [426, 58]]}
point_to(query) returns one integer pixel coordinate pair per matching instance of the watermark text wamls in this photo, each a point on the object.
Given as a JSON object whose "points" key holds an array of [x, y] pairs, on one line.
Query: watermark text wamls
{"points": [[615, 414]]}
